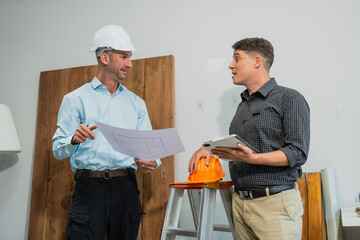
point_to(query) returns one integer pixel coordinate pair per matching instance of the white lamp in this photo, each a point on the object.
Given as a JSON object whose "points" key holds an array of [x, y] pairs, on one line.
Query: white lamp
{"points": [[9, 141]]}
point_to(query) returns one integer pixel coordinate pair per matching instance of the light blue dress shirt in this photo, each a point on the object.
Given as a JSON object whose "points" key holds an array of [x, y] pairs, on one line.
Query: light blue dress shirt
{"points": [[93, 102]]}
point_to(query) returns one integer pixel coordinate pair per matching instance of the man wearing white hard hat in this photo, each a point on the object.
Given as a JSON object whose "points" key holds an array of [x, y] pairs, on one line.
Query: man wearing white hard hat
{"points": [[105, 200]]}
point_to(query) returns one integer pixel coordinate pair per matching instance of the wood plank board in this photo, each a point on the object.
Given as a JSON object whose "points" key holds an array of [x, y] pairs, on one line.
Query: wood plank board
{"points": [[151, 79], [313, 218], [302, 184], [159, 95], [314, 205]]}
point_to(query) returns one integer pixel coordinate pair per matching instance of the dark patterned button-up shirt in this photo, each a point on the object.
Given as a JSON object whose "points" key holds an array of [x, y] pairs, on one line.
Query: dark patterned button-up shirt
{"points": [[273, 118]]}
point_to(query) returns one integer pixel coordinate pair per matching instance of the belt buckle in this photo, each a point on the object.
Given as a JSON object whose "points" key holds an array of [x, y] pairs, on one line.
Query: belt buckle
{"points": [[106, 175], [246, 194]]}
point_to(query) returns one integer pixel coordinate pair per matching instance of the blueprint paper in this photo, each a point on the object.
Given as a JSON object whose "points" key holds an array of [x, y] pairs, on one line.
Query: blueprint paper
{"points": [[143, 144]]}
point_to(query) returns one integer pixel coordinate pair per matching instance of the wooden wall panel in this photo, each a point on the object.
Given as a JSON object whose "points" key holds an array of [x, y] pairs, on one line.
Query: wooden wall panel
{"points": [[159, 98], [313, 218], [314, 205], [302, 184], [136, 79], [38, 198], [53, 182]]}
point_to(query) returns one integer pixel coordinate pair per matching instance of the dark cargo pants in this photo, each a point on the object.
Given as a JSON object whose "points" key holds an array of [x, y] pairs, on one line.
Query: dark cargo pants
{"points": [[105, 207]]}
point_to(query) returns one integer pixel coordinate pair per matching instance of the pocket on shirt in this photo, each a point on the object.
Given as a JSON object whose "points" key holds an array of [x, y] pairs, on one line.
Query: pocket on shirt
{"points": [[266, 120], [267, 113]]}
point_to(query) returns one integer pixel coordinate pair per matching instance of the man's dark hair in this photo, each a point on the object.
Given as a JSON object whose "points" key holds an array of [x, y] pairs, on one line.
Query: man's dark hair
{"points": [[259, 46]]}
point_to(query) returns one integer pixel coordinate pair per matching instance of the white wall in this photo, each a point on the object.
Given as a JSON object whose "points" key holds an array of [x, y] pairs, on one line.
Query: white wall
{"points": [[316, 52]]}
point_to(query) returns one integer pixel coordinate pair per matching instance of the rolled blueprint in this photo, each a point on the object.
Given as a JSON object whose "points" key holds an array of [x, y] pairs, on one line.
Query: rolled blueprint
{"points": [[332, 204]]}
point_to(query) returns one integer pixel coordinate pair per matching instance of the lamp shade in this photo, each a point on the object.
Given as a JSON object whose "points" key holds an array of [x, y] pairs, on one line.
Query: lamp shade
{"points": [[9, 141]]}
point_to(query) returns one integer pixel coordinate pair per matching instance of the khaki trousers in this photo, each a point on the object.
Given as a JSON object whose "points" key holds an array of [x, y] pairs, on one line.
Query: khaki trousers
{"points": [[272, 217]]}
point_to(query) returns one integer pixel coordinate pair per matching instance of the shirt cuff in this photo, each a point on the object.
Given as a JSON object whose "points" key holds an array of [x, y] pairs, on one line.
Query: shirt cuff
{"points": [[69, 148], [158, 163], [290, 155]]}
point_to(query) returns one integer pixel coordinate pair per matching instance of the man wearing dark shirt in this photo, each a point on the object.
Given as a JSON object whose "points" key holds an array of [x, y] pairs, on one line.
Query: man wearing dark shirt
{"points": [[275, 120]]}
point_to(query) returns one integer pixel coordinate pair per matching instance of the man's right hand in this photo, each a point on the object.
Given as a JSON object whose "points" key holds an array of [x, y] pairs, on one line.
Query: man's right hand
{"points": [[82, 133], [202, 152]]}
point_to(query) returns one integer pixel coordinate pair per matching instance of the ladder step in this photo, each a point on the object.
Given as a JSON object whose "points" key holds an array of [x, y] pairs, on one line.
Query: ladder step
{"points": [[182, 232], [222, 228], [193, 233]]}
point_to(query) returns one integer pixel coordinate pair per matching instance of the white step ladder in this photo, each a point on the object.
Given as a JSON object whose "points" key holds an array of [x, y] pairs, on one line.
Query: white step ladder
{"points": [[202, 198]]}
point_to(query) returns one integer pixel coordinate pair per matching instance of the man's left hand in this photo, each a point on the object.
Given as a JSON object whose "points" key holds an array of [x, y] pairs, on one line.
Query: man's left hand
{"points": [[145, 166]]}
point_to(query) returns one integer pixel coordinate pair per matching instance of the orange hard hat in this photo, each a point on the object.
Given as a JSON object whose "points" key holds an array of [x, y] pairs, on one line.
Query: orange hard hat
{"points": [[211, 173]]}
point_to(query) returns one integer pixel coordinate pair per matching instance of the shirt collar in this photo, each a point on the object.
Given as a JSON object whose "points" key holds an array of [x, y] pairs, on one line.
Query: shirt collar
{"points": [[267, 87], [263, 91], [95, 83]]}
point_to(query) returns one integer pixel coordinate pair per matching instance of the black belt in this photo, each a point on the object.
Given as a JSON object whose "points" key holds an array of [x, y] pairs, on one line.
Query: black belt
{"points": [[106, 174], [263, 192]]}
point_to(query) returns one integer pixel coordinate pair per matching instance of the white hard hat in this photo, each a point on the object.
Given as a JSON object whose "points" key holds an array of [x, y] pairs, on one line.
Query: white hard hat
{"points": [[112, 37]]}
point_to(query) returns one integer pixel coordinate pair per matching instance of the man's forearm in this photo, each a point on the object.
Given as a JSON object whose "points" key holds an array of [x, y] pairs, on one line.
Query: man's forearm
{"points": [[276, 158]]}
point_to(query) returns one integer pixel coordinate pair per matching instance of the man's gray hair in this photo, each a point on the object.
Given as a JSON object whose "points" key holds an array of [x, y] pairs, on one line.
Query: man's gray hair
{"points": [[100, 50]]}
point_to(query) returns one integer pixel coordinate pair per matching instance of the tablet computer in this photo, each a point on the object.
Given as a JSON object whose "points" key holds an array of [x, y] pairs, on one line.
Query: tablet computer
{"points": [[228, 141]]}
